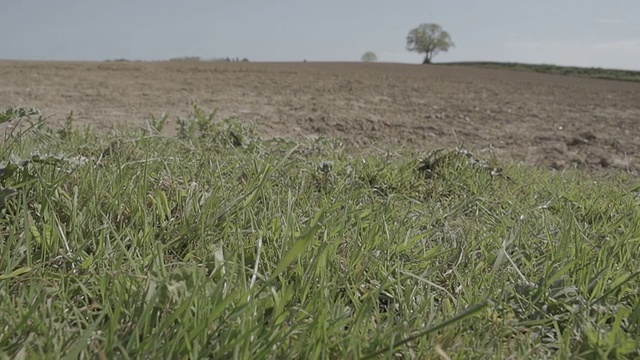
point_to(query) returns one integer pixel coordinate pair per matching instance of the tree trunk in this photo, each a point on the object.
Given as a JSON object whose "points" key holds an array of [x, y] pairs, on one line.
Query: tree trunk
{"points": [[427, 59]]}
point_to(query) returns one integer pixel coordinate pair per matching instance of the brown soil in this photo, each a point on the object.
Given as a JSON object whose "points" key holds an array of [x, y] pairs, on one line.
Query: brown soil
{"points": [[547, 120]]}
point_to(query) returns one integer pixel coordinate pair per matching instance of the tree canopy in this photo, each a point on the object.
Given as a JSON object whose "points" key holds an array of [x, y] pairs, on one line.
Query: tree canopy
{"points": [[369, 56], [428, 39]]}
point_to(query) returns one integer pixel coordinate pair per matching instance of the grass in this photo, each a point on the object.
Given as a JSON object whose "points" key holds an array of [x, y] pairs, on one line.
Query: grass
{"points": [[216, 244], [599, 73]]}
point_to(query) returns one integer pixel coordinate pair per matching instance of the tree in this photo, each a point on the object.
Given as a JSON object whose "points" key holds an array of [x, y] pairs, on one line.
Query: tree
{"points": [[369, 56], [428, 39]]}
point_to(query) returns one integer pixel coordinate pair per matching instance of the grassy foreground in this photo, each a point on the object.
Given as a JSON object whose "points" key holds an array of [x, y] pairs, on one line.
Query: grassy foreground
{"points": [[214, 244], [598, 73]]}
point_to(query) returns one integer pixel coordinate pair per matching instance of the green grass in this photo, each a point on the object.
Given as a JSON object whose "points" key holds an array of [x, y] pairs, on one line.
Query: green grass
{"points": [[215, 244], [599, 73]]}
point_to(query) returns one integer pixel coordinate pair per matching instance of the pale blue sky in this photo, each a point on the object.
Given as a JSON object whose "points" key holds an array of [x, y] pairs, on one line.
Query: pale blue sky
{"points": [[566, 32]]}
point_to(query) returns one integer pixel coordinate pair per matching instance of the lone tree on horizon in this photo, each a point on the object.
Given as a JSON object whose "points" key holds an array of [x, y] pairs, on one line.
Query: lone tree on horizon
{"points": [[428, 39], [369, 56]]}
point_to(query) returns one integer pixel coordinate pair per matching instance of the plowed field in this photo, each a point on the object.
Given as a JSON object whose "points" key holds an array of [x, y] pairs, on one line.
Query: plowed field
{"points": [[545, 120]]}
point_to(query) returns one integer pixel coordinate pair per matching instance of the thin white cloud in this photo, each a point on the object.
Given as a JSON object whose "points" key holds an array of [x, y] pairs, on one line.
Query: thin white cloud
{"points": [[610, 21], [628, 45]]}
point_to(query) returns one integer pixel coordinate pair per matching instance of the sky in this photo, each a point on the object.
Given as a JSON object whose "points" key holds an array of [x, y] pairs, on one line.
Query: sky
{"points": [[591, 33]]}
